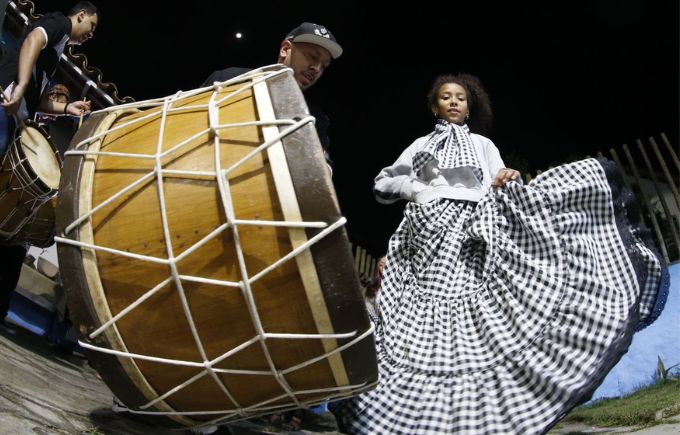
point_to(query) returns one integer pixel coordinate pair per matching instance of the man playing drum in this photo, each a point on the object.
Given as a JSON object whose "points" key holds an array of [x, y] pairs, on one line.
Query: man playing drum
{"points": [[25, 77], [308, 50]]}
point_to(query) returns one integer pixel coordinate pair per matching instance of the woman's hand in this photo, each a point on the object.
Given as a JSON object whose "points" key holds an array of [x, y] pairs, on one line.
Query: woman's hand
{"points": [[504, 176]]}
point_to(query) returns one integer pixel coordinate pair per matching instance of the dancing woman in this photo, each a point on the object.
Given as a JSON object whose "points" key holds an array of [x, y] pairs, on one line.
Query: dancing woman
{"points": [[502, 305]]}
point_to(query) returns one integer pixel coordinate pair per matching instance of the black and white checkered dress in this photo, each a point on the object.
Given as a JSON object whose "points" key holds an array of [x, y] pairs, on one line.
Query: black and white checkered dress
{"points": [[499, 317]]}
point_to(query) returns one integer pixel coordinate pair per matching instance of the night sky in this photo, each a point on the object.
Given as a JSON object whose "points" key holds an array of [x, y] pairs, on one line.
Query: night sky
{"points": [[567, 78]]}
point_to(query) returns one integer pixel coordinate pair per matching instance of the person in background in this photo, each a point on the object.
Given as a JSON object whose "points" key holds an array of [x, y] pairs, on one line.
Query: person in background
{"points": [[308, 50], [25, 77]]}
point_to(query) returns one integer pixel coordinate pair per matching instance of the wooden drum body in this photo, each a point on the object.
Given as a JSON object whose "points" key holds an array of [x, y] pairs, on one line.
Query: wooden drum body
{"points": [[29, 177], [210, 273]]}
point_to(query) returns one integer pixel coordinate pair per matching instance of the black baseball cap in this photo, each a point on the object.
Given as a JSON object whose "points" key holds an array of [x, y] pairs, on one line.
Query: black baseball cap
{"points": [[316, 34]]}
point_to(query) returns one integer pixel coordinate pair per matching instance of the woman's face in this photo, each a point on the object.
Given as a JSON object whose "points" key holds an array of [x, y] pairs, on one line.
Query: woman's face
{"points": [[452, 104]]}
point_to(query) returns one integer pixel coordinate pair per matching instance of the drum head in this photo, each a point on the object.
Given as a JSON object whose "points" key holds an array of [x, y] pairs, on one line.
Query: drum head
{"points": [[41, 156]]}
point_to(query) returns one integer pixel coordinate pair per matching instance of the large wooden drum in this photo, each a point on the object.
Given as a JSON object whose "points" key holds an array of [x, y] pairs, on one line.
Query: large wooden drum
{"points": [[205, 258]]}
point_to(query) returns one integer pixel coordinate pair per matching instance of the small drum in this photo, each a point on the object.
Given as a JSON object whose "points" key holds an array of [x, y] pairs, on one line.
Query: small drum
{"points": [[39, 229], [204, 254], [29, 177]]}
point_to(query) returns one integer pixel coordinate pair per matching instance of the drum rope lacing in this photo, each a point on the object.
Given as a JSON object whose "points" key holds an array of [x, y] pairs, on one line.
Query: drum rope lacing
{"points": [[288, 126]]}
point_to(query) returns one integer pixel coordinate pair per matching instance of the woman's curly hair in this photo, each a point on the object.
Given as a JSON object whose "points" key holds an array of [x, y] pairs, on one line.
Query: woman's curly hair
{"points": [[481, 113]]}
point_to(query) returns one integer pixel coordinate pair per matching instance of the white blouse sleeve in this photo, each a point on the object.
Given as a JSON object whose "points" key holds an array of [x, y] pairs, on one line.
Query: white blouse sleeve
{"points": [[398, 181], [494, 161]]}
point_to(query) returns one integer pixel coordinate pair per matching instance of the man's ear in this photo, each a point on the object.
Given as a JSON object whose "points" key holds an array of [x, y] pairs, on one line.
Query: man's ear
{"points": [[81, 16], [285, 49]]}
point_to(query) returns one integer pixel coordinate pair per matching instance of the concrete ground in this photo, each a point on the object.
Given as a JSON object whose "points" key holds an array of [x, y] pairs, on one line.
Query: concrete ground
{"points": [[45, 391]]}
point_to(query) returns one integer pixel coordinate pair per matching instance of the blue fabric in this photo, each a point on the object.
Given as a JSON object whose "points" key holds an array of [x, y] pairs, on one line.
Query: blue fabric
{"points": [[29, 315]]}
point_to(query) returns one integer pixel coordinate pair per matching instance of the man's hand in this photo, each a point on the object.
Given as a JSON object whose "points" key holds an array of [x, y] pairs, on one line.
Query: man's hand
{"points": [[12, 105]]}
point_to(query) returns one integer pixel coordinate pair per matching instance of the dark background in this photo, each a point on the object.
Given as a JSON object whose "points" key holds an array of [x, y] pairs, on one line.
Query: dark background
{"points": [[567, 78]]}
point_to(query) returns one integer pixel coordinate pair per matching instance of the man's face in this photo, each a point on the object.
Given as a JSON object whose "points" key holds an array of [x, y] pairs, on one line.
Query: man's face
{"points": [[308, 61], [84, 28]]}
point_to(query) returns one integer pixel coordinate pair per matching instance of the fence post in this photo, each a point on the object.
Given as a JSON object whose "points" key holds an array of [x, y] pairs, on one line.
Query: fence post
{"points": [[666, 172], [674, 156], [659, 193], [357, 258], [652, 217]]}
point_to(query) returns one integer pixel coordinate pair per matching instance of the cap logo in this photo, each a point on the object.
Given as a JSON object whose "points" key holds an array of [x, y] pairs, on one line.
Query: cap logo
{"points": [[321, 31]]}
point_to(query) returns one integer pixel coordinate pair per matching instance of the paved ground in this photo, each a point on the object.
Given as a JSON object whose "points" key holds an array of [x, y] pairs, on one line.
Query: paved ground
{"points": [[43, 391], [46, 392]]}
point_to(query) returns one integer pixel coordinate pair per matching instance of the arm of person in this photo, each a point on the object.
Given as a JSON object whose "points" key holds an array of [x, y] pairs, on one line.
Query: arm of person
{"points": [[397, 181], [28, 55], [75, 108], [501, 175]]}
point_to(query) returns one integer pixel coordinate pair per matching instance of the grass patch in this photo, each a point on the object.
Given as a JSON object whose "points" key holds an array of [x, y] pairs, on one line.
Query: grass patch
{"points": [[638, 408]]}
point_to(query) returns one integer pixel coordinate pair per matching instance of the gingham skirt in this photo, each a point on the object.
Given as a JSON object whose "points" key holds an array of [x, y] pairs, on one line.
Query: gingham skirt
{"points": [[501, 316]]}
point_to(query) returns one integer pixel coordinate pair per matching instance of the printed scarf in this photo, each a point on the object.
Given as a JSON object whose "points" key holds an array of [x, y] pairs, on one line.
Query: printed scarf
{"points": [[449, 146]]}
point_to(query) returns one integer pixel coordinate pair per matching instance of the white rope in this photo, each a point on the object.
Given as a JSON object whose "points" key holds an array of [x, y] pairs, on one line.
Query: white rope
{"points": [[207, 367], [246, 290], [260, 74], [260, 405], [218, 282], [236, 349], [271, 141], [108, 201], [173, 263], [107, 132], [228, 207], [368, 332], [130, 307], [292, 254], [112, 251], [287, 224]]}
